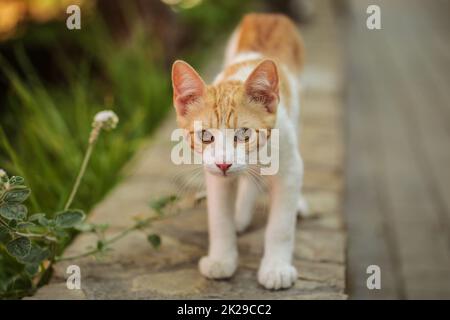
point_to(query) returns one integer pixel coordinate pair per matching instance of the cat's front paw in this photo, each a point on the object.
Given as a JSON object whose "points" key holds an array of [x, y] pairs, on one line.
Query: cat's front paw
{"points": [[277, 275], [217, 268]]}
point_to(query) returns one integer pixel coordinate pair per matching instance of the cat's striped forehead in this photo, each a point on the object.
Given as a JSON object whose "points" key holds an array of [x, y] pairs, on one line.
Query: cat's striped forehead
{"points": [[226, 105], [227, 98]]}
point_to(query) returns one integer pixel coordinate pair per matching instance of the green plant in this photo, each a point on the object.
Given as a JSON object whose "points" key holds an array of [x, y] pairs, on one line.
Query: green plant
{"points": [[45, 123], [36, 240]]}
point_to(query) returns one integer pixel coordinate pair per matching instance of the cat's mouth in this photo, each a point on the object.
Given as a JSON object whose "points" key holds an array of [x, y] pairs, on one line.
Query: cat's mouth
{"points": [[225, 174], [232, 172]]}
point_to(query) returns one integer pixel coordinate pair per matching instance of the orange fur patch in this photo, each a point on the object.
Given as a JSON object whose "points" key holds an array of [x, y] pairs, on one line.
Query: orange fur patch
{"points": [[273, 35], [227, 105], [285, 90]]}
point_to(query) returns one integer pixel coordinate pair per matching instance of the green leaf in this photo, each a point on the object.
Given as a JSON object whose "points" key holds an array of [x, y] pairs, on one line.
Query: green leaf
{"points": [[16, 195], [155, 240], [36, 216], [38, 229], [100, 245], [35, 256], [25, 225], [141, 224], [13, 211], [101, 227], [43, 221], [32, 269], [61, 234], [4, 234], [85, 227], [16, 180], [12, 223], [3, 229], [19, 247], [69, 218], [159, 204]]}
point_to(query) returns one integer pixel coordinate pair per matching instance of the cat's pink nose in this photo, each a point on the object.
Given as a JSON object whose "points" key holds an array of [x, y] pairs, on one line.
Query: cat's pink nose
{"points": [[223, 166]]}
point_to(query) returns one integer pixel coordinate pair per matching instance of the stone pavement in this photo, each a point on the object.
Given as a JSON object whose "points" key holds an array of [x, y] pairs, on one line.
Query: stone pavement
{"points": [[134, 270]]}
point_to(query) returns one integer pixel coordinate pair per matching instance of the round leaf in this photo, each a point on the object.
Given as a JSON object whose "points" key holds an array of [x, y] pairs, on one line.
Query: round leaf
{"points": [[100, 245], [43, 221], [16, 180], [32, 269], [13, 211], [35, 256], [38, 229], [36, 216], [159, 204], [19, 247], [16, 195], [85, 227], [25, 225], [155, 240], [69, 218]]}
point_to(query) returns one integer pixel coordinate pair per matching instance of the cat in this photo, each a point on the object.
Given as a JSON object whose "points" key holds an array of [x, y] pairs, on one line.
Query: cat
{"points": [[258, 89]]}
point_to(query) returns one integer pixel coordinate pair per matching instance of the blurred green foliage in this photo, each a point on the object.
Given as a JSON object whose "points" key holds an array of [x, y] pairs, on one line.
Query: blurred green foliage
{"points": [[45, 125]]}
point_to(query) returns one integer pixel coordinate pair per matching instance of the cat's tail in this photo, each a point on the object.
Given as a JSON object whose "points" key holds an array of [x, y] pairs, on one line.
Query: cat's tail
{"points": [[231, 49], [272, 35]]}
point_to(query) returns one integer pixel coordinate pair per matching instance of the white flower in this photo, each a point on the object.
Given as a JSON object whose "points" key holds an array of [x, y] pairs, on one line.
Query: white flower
{"points": [[106, 119], [4, 181]]}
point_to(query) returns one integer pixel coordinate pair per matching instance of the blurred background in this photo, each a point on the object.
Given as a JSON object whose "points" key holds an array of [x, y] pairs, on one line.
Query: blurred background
{"points": [[397, 123], [396, 117]]}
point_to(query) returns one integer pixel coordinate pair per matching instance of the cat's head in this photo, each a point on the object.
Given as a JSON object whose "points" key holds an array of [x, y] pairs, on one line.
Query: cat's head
{"points": [[228, 121]]}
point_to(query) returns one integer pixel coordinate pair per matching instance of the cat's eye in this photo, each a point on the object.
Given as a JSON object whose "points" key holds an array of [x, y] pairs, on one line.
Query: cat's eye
{"points": [[205, 136], [242, 135]]}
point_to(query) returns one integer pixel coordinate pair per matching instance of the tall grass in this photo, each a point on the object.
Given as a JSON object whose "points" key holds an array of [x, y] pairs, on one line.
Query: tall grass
{"points": [[44, 134]]}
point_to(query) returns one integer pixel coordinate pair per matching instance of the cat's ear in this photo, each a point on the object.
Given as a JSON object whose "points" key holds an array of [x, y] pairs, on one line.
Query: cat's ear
{"points": [[188, 86], [262, 85]]}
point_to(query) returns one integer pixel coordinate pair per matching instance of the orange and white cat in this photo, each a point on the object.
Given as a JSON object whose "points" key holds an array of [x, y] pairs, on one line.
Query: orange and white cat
{"points": [[257, 89]]}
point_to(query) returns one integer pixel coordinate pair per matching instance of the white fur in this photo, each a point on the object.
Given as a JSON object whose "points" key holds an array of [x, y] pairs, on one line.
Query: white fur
{"points": [[244, 72], [231, 48], [221, 261], [227, 217]]}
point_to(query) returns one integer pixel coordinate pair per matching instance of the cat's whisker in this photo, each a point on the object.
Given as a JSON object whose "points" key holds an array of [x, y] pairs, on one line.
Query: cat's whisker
{"points": [[183, 184], [193, 182], [259, 183], [257, 175]]}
